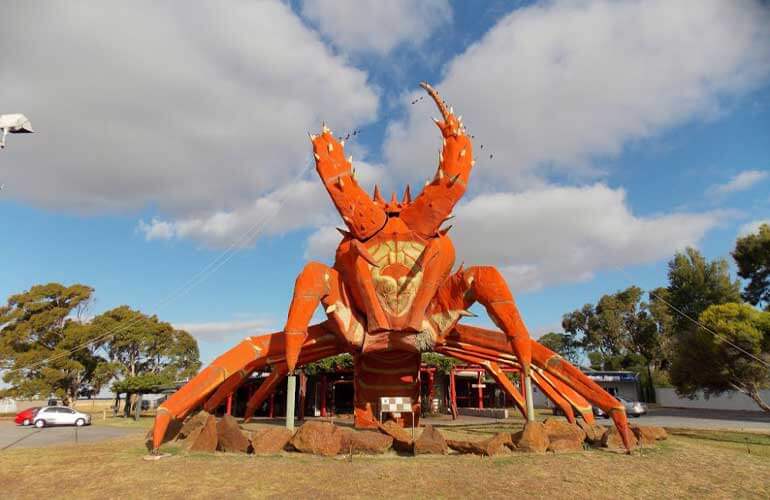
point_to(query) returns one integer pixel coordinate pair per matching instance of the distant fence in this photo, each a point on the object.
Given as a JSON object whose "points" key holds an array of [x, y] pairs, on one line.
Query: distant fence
{"points": [[732, 400]]}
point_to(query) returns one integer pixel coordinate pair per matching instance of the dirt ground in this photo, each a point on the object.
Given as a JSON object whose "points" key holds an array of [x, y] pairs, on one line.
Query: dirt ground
{"points": [[690, 464]]}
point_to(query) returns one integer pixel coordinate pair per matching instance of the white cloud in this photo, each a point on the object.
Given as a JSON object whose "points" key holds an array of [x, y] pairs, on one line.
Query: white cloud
{"points": [[194, 111], [215, 330], [297, 205], [567, 234], [374, 25], [739, 182], [554, 85], [752, 227]]}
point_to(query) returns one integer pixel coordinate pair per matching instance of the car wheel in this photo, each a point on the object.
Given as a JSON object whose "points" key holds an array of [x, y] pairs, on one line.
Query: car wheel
{"points": [[80, 422], [26, 422], [39, 424]]}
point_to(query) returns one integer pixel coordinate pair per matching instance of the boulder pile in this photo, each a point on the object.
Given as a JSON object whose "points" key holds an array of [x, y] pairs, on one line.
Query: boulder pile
{"points": [[202, 432]]}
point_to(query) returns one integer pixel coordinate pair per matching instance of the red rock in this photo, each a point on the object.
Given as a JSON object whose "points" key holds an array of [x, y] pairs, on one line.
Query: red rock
{"points": [[495, 445], [230, 438], [611, 439], [431, 441], [366, 442], [533, 438], [594, 432], [318, 438], [270, 441], [563, 436], [648, 435], [203, 438], [193, 424], [402, 439]]}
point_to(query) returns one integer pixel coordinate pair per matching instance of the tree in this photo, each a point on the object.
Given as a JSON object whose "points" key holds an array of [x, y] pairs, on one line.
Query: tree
{"points": [[695, 284], [38, 328], [713, 364], [752, 255], [142, 345], [621, 332], [562, 344]]}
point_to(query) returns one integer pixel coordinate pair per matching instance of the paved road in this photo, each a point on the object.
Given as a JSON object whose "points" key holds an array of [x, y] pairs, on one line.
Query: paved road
{"points": [[13, 436], [706, 419]]}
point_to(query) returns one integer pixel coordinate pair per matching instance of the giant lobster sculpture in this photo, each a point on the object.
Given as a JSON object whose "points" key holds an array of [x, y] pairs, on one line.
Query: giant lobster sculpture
{"points": [[390, 296]]}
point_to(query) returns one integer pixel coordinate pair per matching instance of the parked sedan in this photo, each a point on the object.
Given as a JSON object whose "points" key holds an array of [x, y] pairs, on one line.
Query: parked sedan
{"points": [[26, 417], [633, 408], [60, 415]]}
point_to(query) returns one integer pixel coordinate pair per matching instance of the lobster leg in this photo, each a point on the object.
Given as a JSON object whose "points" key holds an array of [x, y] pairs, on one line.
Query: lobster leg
{"points": [[251, 354], [316, 283], [259, 397], [494, 371], [552, 366]]}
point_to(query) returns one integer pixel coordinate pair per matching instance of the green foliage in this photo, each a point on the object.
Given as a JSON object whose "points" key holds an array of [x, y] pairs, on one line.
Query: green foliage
{"points": [[752, 255], [695, 284], [709, 362], [142, 344], [330, 365], [44, 327], [443, 364], [144, 383], [562, 344], [44, 322]]}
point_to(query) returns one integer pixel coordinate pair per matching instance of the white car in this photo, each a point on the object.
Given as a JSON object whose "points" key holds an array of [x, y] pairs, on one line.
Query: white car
{"points": [[60, 415]]}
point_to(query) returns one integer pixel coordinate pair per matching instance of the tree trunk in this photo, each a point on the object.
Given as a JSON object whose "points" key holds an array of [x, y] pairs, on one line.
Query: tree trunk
{"points": [[650, 385], [753, 393]]}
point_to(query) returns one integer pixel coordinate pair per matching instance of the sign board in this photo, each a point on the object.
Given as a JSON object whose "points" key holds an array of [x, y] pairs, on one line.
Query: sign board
{"points": [[396, 406], [476, 386]]}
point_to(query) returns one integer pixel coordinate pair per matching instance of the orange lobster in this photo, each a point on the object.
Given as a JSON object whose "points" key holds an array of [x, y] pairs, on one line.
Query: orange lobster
{"points": [[389, 297]]}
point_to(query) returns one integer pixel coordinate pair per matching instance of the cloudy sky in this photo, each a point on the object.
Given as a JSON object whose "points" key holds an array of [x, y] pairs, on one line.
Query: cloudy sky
{"points": [[170, 168]]}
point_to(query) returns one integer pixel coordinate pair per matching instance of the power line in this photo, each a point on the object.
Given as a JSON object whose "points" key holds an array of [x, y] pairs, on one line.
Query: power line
{"points": [[698, 323], [192, 282]]}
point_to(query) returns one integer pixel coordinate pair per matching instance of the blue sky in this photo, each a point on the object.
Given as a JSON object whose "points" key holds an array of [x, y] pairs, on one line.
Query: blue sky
{"points": [[621, 132]]}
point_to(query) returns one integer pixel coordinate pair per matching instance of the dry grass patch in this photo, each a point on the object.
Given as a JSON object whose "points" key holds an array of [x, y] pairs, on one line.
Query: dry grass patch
{"points": [[700, 465]]}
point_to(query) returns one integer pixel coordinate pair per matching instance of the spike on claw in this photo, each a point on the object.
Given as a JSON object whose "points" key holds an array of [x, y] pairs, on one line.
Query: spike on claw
{"points": [[407, 195]]}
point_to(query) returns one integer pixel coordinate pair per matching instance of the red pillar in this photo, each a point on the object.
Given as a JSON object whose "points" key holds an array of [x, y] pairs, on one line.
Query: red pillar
{"points": [[302, 393], [481, 389], [452, 393], [272, 405], [431, 380], [324, 388], [229, 408]]}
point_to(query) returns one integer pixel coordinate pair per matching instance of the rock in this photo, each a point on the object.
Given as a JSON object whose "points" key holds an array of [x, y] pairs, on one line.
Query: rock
{"points": [[402, 439], [270, 441], [533, 438], [430, 442], [366, 442], [172, 431], [611, 439], [203, 438], [193, 424], [563, 436], [648, 435], [230, 438], [594, 432], [318, 438], [494, 445]]}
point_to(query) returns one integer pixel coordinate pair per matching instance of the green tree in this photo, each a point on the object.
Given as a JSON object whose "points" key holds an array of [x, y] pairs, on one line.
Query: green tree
{"points": [[38, 328], [752, 255], [694, 284], [138, 344], [713, 364], [562, 344], [621, 332]]}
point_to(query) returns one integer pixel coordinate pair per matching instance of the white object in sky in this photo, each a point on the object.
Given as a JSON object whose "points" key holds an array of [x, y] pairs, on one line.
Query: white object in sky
{"points": [[14, 123]]}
